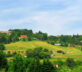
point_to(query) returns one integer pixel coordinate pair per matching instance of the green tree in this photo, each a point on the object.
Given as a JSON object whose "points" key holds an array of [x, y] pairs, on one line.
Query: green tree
{"points": [[45, 37], [47, 66], [38, 53], [35, 65], [70, 62], [2, 47], [3, 60], [18, 64]]}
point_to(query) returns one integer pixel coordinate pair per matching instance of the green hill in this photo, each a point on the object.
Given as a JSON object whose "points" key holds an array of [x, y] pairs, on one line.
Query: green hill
{"points": [[23, 46]]}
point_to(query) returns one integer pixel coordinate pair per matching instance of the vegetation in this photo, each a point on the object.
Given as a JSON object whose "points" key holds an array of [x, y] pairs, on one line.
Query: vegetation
{"points": [[64, 40], [26, 64], [3, 61], [38, 52], [70, 62], [2, 47]]}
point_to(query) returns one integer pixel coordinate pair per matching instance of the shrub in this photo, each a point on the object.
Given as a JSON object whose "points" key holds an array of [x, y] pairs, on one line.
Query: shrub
{"points": [[18, 64], [77, 69], [47, 66], [59, 62], [3, 60], [2, 47], [51, 42], [64, 69], [29, 39], [70, 62], [59, 51], [38, 53]]}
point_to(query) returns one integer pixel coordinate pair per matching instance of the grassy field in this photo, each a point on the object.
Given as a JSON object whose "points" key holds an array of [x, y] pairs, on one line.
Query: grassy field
{"points": [[70, 52]]}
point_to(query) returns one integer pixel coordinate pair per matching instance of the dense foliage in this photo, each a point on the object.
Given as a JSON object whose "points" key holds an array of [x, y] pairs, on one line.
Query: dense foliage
{"points": [[3, 60], [2, 47], [25, 64], [39, 53]]}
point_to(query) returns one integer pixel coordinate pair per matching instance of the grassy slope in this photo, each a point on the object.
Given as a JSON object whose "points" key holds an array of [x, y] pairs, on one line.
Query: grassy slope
{"points": [[70, 51]]}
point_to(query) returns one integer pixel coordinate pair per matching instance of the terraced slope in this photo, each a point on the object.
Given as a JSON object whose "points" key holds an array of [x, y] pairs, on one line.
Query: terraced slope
{"points": [[33, 44], [21, 47]]}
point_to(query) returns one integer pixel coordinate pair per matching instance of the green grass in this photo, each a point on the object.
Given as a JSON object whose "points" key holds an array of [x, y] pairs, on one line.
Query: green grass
{"points": [[23, 46]]}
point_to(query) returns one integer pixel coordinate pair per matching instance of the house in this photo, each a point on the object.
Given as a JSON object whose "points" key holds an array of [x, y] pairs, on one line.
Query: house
{"points": [[57, 44], [7, 32], [23, 36]]}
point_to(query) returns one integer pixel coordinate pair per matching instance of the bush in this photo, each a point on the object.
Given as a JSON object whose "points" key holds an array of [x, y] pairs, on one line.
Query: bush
{"points": [[47, 66], [77, 69], [78, 63], [38, 53], [29, 39], [64, 44], [59, 62], [3, 60], [35, 65], [17, 64], [59, 51], [64, 69], [51, 42], [2, 47], [70, 62]]}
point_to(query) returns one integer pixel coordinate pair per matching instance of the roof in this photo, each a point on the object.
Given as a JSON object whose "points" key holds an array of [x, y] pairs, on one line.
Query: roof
{"points": [[23, 36]]}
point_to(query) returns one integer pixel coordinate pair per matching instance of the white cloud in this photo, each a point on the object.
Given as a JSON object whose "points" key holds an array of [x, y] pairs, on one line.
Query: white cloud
{"points": [[57, 20], [51, 21]]}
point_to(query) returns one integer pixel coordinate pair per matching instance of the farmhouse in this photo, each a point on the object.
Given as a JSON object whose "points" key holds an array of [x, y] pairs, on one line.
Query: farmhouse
{"points": [[23, 36]]}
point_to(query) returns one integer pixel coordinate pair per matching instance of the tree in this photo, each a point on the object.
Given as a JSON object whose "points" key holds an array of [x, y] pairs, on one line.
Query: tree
{"points": [[47, 66], [38, 53], [35, 65], [45, 37], [3, 60], [70, 62], [2, 47], [18, 64]]}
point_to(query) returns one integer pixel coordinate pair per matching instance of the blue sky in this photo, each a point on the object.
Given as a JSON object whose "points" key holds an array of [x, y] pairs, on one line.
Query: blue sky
{"points": [[55, 17]]}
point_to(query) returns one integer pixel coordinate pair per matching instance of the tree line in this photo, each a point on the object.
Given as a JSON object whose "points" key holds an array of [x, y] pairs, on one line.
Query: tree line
{"points": [[63, 40]]}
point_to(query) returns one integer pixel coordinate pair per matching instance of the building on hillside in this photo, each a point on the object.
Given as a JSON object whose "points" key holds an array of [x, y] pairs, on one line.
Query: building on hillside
{"points": [[23, 36], [7, 32], [57, 44]]}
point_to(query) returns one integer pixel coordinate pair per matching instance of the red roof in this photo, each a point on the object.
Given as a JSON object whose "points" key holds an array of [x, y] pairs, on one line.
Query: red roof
{"points": [[23, 36]]}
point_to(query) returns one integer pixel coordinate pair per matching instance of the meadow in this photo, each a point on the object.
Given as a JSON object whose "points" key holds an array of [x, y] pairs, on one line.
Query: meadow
{"points": [[22, 47]]}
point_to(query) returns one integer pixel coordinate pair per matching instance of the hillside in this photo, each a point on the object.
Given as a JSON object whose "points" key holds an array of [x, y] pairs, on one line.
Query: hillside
{"points": [[21, 47]]}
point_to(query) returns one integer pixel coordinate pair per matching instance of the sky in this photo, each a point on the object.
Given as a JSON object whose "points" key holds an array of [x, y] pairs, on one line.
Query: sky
{"points": [[55, 17]]}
